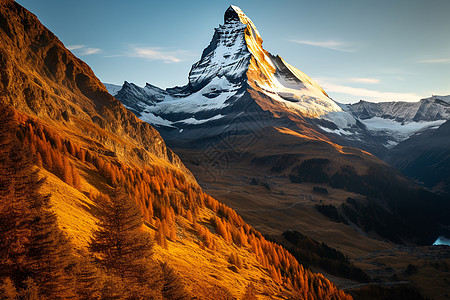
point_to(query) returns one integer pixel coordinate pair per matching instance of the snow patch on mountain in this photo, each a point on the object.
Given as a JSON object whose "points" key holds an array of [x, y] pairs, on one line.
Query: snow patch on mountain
{"points": [[398, 131], [212, 97], [194, 121], [338, 131], [155, 120]]}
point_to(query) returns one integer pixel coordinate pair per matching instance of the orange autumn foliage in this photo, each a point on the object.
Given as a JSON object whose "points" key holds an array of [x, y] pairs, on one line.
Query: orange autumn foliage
{"points": [[163, 194]]}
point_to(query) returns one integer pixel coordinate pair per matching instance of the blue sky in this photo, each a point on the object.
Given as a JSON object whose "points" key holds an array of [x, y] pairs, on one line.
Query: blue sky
{"points": [[373, 50]]}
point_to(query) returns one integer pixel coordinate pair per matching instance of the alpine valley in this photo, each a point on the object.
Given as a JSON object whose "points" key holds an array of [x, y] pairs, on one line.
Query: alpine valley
{"points": [[249, 182], [368, 179]]}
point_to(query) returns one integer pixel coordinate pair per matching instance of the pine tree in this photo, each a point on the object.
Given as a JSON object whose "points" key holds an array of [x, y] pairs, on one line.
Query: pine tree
{"points": [[119, 243], [30, 290], [76, 178], [160, 235], [50, 255], [15, 211], [31, 245], [67, 173], [189, 216], [88, 279], [172, 285]]}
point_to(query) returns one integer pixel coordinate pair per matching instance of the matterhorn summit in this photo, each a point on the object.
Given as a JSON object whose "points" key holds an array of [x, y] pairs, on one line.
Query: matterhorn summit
{"points": [[236, 78]]}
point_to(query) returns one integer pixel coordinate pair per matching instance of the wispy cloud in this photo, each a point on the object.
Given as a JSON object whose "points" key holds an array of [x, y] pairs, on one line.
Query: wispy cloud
{"points": [[89, 51], [75, 47], [330, 44], [365, 80], [154, 53], [82, 50], [368, 94], [435, 61]]}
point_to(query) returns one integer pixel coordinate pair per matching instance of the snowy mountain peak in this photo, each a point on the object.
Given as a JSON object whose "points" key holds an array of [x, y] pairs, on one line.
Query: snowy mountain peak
{"points": [[234, 14], [226, 57], [235, 58], [234, 73]]}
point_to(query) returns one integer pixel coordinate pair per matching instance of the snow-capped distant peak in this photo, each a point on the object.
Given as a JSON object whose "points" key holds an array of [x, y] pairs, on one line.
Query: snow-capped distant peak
{"points": [[397, 121]]}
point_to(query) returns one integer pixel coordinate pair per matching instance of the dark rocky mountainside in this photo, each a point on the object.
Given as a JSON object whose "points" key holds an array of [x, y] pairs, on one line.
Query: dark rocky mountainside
{"points": [[426, 158]]}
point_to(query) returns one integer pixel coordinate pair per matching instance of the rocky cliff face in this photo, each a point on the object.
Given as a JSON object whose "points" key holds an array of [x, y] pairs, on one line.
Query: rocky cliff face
{"points": [[227, 56], [39, 76]]}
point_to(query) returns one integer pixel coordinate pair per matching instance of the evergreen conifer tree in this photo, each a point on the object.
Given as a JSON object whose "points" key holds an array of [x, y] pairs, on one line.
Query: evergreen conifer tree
{"points": [[32, 247]]}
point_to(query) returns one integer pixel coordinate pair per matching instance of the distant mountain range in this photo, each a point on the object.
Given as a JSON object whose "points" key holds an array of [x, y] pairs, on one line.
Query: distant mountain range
{"points": [[395, 122]]}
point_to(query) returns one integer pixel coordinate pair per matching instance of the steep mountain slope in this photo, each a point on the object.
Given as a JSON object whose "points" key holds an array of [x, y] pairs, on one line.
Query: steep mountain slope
{"points": [[40, 77], [394, 122], [88, 148]]}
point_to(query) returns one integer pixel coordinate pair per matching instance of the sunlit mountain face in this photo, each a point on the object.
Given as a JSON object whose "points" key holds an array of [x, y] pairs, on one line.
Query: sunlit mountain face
{"points": [[263, 137]]}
